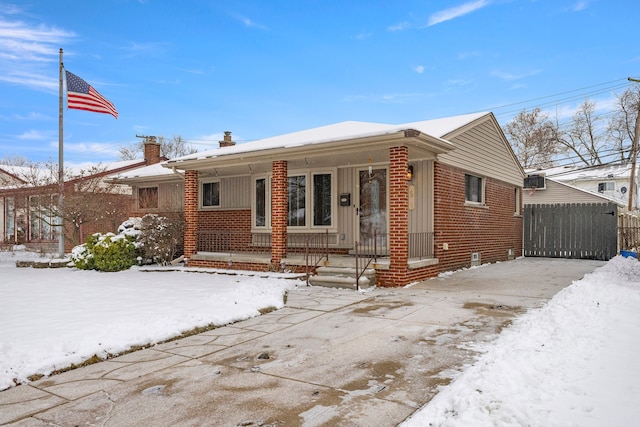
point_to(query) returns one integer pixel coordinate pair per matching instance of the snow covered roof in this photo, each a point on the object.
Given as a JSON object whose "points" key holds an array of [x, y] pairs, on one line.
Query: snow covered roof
{"points": [[156, 170], [48, 173], [578, 173], [337, 132]]}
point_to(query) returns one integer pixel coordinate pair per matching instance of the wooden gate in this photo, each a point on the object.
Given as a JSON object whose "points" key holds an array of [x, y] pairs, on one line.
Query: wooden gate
{"points": [[584, 231]]}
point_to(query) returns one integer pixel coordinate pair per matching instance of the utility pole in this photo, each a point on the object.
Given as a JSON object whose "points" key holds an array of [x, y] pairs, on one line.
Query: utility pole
{"points": [[634, 155]]}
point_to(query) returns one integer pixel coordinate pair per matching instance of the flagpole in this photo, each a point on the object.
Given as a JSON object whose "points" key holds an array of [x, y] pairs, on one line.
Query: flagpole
{"points": [[61, 168]]}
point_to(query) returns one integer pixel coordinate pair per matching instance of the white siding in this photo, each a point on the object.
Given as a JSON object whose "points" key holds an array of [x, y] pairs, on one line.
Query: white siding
{"points": [[236, 192], [482, 149], [421, 218], [556, 193], [171, 196], [346, 214]]}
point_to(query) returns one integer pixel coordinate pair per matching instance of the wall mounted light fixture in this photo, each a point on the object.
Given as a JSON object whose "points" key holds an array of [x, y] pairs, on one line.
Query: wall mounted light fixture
{"points": [[410, 173]]}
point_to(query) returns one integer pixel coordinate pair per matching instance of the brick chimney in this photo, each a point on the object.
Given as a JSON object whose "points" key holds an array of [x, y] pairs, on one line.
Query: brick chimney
{"points": [[227, 142], [151, 150]]}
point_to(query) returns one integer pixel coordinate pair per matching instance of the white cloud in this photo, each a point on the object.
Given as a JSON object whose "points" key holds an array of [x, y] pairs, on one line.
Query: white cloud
{"points": [[504, 75], [456, 12], [28, 48], [460, 82], [250, 24], [399, 27], [363, 35], [34, 135], [581, 5], [419, 69]]}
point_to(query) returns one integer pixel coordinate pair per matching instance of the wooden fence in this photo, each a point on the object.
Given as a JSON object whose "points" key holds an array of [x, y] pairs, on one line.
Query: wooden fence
{"points": [[584, 231]]}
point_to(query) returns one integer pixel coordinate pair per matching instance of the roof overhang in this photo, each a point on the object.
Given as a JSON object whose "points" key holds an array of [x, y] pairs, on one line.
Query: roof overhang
{"points": [[336, 152]]}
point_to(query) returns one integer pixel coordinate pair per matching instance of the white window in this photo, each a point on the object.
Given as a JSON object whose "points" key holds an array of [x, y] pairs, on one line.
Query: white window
{"points": [[606, 186], [516, 193], [261, 202], [210, 194], [309, 206], [474, 189]]}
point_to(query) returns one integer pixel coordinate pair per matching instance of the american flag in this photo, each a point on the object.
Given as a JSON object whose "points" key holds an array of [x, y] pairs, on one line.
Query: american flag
{"points": [[82, 96]]}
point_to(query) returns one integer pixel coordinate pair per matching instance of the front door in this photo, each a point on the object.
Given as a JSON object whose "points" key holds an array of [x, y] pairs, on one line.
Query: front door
{"points": [[372, 210]]}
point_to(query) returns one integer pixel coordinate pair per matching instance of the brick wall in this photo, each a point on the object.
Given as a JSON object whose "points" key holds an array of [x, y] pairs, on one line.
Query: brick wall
{"points": [[398, 214], [490, 230], [279, 207], [190, 212]]}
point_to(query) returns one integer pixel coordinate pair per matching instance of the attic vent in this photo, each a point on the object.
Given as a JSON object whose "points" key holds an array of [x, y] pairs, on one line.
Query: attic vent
{"points": [[535, 181]]}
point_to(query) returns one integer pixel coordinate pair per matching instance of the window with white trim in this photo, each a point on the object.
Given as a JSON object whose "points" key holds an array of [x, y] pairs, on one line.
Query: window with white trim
{"points": [[297, 200], [474, 189], [308, 206], [210, 194], [322, 200], [260, 203], [606, 186]]}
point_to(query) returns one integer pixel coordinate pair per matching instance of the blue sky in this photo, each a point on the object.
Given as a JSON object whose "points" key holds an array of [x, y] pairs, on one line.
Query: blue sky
{"points": [[263, 68]]}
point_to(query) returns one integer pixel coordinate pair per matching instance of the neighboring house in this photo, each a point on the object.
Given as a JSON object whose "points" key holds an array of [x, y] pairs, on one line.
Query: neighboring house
{"points": [[427, 197], [154, 189], [28, 193], [611, 181], [551, 191]]}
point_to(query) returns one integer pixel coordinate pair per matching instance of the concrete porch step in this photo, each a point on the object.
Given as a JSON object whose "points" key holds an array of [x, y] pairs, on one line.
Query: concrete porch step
{"points": [[342, 277]]}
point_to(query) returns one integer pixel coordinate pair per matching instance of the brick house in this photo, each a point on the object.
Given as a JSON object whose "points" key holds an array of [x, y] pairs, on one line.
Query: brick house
{"points": [[26, 194], [423, 198]]}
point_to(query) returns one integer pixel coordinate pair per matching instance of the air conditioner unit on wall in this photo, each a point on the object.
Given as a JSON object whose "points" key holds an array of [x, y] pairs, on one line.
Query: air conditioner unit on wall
{"points": [[536, 181]]}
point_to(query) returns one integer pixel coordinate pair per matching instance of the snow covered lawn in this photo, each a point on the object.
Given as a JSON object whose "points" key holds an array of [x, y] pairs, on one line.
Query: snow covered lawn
{"points": [[52, 318], [574, 362]]}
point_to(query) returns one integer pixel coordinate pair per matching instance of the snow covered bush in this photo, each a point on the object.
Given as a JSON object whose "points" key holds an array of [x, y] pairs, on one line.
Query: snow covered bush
{"points": [[150, 239], [160, 238], [105, 252]]}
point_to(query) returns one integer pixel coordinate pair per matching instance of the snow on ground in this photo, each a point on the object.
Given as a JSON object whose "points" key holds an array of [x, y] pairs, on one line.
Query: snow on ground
{"points": [[573, 362], [52, 318]]}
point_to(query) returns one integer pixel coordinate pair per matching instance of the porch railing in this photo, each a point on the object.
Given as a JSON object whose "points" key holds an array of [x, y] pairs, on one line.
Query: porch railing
{"points": [[421, 245], [234, 241], [367, 250]]}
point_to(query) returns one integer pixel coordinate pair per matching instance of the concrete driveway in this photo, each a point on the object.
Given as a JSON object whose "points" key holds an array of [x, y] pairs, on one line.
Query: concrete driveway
{"points": [[330, 357]]}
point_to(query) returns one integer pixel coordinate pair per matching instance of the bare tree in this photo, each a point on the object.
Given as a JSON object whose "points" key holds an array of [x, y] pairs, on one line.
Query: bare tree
{"points": [[621, 125], [90, 203], [585, 136], [533, 138], [169, 148], [15, 160]]}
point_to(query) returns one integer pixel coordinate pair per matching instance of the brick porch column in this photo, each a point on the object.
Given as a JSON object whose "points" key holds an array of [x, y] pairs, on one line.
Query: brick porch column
{"points": [[398, 214], [190, 213], [279, 208]]}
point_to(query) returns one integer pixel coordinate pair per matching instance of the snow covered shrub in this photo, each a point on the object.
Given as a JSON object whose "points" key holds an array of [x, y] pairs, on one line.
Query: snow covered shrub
{"points": [[105, 252], [160, 238], [114, 252], [82, 255], [131, 227]]}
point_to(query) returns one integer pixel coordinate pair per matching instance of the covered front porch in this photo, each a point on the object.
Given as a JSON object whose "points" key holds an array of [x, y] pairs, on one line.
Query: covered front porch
{"points": [[310, 254], [365, 201]]}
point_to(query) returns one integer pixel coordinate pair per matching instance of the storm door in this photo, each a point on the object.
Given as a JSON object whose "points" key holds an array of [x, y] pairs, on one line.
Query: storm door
{"points": [[372, 210]]}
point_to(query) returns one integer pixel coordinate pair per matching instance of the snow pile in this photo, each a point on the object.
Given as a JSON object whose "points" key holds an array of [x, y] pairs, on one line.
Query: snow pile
{"points": [[571, 363]]}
